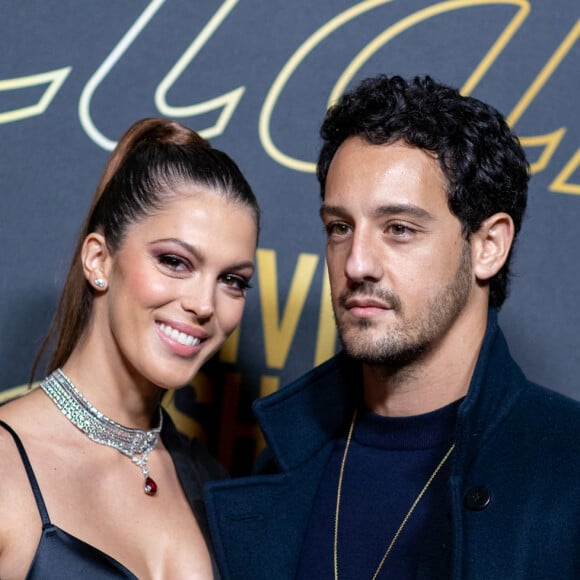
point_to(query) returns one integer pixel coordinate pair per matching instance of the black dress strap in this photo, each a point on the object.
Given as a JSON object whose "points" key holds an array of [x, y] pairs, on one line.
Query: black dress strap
{"points": [[31, 477]]}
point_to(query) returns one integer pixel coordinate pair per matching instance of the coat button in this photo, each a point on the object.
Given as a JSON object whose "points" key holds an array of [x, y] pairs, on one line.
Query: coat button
{"points": [[477, 498]]}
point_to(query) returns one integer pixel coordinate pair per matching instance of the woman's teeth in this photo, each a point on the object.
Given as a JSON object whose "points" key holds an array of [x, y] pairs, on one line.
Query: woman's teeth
{"points": [[180, 337]]}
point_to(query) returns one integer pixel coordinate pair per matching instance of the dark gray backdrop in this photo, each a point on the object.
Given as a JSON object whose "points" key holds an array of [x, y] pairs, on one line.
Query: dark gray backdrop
{"points": [[74, 74]]}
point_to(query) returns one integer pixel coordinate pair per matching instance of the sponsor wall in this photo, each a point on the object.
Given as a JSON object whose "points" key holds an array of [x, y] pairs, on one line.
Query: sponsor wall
{"points": [[255, 77]]}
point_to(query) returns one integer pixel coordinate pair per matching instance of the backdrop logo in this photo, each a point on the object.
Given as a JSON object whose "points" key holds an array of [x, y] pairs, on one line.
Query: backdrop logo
{"points": [[546, 144]]}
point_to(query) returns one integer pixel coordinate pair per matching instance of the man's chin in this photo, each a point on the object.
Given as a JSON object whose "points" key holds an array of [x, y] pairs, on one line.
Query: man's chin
{"points": [[376, 352]]}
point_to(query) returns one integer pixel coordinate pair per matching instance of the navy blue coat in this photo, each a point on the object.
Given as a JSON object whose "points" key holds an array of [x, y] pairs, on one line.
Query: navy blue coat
{"points": [[514, 488]]}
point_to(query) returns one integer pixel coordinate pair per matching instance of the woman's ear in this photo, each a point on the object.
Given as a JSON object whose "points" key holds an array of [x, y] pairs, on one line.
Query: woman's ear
{"points": [[95, 258], [491, 245]]}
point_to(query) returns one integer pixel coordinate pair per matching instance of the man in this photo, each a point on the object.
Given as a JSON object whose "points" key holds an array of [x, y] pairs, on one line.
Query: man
{"points": [[421, 450]]}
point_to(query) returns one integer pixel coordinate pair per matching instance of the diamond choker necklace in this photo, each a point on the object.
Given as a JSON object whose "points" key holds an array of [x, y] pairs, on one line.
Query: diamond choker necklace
{"points": [[134, 443]]}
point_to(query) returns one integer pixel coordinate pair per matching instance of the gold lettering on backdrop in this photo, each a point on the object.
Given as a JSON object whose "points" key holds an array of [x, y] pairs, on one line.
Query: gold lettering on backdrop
{"points": [[279, 331], [560, 184], [288, 70], [229, 351], [315, 39], [53, 79], [326, 332], [105, 68], [326, 336], [551, 140], [548, 142], [227, 102], [203, 389], [426, 14]]}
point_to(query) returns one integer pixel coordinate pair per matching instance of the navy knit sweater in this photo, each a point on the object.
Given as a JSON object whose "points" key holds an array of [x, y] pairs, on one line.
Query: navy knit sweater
{"points": [[389, 461]]}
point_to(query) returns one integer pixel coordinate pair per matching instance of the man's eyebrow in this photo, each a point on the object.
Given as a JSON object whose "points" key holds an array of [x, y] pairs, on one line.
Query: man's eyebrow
{"points": [[332, 210], [381, 211], [403, 208]]}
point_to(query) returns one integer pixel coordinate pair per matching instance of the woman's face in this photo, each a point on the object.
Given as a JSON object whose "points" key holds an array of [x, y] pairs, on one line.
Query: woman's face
{"points": [[177, 285]]}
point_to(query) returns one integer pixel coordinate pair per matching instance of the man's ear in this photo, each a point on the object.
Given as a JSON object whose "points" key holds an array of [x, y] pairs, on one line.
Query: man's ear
{"points": [[491, 245], [95, 258]]}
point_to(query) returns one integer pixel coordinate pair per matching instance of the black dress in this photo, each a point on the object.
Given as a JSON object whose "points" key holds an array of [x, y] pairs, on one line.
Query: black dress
{"points": [[61, 555]]}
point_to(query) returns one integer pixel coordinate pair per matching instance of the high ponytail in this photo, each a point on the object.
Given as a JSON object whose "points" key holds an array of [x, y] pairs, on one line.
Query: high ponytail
{"points": [[151, 163]]}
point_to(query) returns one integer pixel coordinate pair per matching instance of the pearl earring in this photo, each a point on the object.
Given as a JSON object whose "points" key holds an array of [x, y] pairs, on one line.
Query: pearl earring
{"points": [[100, 283]]}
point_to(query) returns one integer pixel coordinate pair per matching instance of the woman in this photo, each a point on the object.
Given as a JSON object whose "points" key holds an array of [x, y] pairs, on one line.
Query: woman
{"points": [[95, 482]]}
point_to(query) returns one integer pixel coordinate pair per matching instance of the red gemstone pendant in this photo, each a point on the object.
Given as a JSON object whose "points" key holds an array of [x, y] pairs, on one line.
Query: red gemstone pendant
{"points": [[150, 486]]}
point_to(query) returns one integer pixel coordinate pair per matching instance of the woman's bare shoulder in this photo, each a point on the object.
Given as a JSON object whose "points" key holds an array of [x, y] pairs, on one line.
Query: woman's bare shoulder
{"points": [[22, 415], [10, 458]]}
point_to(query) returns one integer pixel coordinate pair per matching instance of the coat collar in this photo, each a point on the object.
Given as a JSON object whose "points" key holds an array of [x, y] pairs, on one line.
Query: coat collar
{"points": [[300, 418], [496, 384]]}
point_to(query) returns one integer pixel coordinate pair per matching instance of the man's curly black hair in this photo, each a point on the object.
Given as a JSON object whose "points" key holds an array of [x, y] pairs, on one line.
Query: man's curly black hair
{"points": [[484, 164]]}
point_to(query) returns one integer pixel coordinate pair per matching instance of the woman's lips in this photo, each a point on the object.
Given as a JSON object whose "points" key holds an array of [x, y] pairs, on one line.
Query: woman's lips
{"points": [[182, 339]]}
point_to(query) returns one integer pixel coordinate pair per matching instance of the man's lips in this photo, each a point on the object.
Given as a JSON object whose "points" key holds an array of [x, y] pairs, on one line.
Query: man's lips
{"points": [[365, 307], [356, 302]]}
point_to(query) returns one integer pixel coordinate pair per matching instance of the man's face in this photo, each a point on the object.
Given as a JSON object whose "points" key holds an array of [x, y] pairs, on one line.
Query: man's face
{"points": [[400, 268]]}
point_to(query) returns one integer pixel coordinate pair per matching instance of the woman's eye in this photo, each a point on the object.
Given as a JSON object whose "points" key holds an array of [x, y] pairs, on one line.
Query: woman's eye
{"points": [[172, 262], [236, 282]]}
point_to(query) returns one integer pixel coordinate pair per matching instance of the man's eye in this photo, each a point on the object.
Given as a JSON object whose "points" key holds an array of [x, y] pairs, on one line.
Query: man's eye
{"points": [[399, 229], [337, 229]]}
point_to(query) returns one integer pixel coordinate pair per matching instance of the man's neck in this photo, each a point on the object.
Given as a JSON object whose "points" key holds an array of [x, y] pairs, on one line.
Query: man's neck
{"points": [[435, 379]]}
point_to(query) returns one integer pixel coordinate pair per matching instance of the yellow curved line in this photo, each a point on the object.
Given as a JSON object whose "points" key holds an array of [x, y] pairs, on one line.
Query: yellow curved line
{"points": [[416, 18], [550, 142], [544, 75], [228, 101], [286, 73], [54, 79], [560, 183], [104, 69], [367, 52]]}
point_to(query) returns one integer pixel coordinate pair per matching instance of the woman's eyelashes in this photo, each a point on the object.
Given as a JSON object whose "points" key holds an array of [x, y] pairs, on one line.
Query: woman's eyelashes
{"points": [[237, 283], [173, 263]]}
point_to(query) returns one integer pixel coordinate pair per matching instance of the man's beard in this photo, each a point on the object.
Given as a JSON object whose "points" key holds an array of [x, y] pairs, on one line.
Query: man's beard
{"points": [[412, 336]]}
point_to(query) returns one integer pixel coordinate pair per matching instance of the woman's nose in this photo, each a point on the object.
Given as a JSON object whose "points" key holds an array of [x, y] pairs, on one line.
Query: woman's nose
{"points": [[198, 298]]}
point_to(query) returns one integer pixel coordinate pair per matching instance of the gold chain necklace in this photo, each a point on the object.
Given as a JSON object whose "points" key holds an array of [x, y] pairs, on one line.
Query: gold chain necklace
{"points": [[407, 515]]}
